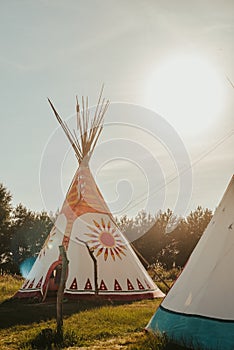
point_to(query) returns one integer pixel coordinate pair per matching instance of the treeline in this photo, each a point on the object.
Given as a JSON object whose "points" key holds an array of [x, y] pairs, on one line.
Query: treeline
{"points": [[22, 232], [168, 240], [160, 239]]}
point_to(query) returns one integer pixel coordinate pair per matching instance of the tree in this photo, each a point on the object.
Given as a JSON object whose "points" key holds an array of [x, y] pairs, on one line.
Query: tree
{"points": [[5, 222], [174, 248], [194, 226], [181, 242], [154, 240], [133, 228], [29, 231]]}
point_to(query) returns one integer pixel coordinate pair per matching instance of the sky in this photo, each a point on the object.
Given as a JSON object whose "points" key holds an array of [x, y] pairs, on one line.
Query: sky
{"points": [[168, 72]]}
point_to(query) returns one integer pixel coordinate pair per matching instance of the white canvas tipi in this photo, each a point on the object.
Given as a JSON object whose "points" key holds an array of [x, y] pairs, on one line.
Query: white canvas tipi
{"points": [[198, 311], [85, 227]]}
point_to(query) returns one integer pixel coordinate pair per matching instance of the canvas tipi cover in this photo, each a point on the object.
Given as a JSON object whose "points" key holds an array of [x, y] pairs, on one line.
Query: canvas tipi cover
{"points": [[198, 311], [86, 228]]}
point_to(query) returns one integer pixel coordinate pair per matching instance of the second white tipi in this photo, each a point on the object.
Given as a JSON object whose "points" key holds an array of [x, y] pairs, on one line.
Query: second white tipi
{"points": [[198, 311], [101, 260]]}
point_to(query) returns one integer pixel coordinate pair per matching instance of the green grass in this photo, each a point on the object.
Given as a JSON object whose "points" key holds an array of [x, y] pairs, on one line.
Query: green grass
{"points": [[111, 321], [9, 285], [91, 326]]}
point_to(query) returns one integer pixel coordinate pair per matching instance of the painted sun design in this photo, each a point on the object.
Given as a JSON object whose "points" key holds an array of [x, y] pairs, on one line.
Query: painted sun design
{"points": [[105, 240]]}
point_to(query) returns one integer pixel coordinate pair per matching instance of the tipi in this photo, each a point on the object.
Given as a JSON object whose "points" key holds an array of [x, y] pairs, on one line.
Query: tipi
{"points": [[198, 311], [86, 228]]}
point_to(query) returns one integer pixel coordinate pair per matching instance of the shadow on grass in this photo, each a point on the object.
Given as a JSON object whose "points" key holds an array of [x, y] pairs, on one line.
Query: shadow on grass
{"points": [[14, 312]]}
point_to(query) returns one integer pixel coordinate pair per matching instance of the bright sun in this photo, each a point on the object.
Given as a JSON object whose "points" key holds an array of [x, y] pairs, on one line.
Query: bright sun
{"points": [[189, 92]]}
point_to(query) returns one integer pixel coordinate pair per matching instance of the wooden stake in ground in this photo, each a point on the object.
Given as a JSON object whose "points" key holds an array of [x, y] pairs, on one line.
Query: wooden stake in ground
{"points": [[60, 293]]}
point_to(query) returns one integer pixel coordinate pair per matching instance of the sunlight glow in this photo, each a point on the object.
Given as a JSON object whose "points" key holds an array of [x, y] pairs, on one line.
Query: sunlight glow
{"points": [[189, 92]]}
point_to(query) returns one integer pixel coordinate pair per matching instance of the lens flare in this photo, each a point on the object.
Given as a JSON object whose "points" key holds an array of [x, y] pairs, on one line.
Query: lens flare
{"points": [[26, 266]]}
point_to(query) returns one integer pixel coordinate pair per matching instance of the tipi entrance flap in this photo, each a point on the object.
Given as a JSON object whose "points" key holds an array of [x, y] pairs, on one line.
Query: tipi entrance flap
{"points": [[52, 280]]}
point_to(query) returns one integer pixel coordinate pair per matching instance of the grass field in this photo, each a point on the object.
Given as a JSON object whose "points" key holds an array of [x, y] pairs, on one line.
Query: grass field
{"points": [[8, 286], [96, 326]]}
